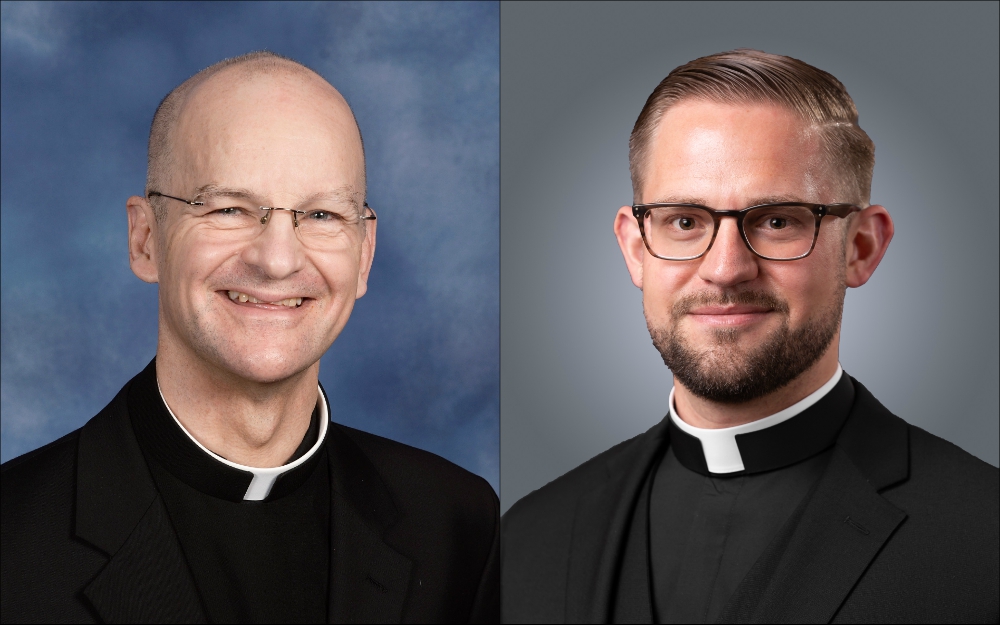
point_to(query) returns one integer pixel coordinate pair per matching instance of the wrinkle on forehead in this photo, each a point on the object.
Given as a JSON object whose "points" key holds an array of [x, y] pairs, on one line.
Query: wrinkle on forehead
{"points": [[339, 195]]}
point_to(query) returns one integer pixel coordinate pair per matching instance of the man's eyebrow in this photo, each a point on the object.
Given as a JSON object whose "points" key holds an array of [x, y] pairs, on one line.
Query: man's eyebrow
{"points": [[777, 199], [341, 195], [679, 199], [768, 199], [209, 191]]}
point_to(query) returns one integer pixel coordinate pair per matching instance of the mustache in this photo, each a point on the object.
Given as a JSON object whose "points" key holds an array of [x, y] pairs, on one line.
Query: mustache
{"points": [[765, 299]]}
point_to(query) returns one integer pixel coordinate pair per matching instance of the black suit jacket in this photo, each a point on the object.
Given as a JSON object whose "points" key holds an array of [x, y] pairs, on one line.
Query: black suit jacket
{"points": [[86, 537], [901, 527]]}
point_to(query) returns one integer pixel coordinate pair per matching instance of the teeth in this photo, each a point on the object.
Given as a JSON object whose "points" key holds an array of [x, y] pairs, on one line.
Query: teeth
{"points": [[291, 302]]}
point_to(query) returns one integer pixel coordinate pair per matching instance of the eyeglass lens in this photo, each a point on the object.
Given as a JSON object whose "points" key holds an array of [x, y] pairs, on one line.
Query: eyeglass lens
{"points": [[319, 225], [779, 232]]}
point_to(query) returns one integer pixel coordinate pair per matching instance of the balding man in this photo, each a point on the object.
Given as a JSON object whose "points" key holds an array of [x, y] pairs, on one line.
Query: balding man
{"points": [[214, 487]]}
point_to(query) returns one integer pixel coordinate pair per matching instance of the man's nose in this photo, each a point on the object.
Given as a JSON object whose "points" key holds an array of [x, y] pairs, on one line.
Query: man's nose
{"points": [[277, 250], [729, 261]]}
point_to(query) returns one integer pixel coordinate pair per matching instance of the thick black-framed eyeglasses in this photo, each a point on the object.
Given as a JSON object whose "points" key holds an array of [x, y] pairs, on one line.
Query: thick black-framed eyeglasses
{"points": [[777, 231]]}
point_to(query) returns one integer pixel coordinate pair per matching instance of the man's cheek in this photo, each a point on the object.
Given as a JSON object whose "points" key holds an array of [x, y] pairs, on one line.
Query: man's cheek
{"points": [[805, 299]]}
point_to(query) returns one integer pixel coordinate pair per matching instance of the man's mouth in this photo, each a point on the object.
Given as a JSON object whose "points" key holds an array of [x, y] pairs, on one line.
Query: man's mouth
{"points": [[731, 309], [732, 315], [243, 298]]}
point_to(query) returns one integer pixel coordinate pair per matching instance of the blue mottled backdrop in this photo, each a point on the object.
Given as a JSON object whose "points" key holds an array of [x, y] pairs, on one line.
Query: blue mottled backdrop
{"points": [[419, 359]]}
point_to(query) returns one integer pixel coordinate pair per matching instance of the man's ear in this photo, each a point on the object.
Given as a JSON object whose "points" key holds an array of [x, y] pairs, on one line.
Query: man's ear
{"points": [[630, 242], [868, 238], [367, 256], [142, 239]]}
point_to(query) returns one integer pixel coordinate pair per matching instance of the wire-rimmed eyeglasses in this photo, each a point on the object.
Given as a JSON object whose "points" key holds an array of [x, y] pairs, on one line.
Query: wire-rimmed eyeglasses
{"points": [[777, 231], [320, 224]]}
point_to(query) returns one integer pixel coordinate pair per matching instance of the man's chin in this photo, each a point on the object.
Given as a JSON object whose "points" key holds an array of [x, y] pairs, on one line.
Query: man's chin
{"points": [[265, 367], [723, 343], [709, 335]]}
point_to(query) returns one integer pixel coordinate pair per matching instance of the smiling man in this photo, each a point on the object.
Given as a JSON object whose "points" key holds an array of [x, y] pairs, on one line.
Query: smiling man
{"points": [[215, 487], [777, 489]]}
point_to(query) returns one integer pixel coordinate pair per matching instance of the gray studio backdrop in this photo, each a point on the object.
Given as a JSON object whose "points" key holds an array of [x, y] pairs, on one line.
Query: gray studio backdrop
{"points": [[419, 359], [579, 373]]}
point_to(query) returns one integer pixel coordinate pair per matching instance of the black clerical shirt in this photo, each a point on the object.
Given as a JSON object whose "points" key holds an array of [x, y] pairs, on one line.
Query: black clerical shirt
{"points": [[252, 561], [707, 530]]}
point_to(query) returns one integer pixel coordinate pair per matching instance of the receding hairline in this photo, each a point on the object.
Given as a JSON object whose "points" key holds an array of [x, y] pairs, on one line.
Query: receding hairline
{"points": [[250, 70], [246, 67], [748, 77]]}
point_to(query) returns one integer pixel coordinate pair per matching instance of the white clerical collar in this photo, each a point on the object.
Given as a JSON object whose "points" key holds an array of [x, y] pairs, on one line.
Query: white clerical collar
{"points": [[263, 479], [722, 454]]}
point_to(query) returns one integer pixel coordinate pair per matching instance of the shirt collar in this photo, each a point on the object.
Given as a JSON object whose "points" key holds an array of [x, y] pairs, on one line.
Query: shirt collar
{"points": [[165, 442], [769, 443], [263, 478]]}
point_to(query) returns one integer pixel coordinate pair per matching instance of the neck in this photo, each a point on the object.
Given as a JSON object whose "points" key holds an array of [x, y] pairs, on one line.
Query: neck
{"points": [[703, 413], [256, 424]]}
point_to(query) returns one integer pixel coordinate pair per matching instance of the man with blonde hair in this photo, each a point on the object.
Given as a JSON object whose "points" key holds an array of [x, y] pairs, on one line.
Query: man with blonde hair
{"points": [[777, 489], [215, 487]]}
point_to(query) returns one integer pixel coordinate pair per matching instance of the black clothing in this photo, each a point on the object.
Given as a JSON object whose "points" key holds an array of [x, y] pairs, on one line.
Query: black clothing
{"points": [[706, 531], [255, 561], [899, 526], [87, 537], [252, 561]]}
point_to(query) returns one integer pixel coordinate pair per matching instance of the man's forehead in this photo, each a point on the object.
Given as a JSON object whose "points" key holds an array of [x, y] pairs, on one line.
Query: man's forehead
{"points": [[753, 152], [232, 91], [714, 126], [238, 132]]}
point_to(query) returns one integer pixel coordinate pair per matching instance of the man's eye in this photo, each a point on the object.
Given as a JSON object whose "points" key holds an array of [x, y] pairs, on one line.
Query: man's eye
{"points": [[229, 211], [777, 223], [324, 216], [684, 223]]}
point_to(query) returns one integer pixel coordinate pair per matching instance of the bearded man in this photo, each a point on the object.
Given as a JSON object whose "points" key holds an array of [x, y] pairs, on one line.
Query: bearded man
{"points": [[777, 489], [215, 487]]}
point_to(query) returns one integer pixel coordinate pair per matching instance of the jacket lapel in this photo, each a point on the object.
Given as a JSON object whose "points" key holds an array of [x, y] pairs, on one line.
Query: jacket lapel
{"points": [[118, 510], [369, 579], [600, 529], [631, 599], [809, 569]]}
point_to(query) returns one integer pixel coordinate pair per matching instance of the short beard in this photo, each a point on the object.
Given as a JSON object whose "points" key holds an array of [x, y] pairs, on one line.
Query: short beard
{"points": [[728, 374]]}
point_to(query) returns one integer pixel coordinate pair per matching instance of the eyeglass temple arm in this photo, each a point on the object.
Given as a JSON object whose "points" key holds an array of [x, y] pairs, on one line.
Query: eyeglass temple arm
{"points": [[189, 202], [841, 210]]}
